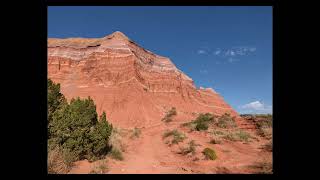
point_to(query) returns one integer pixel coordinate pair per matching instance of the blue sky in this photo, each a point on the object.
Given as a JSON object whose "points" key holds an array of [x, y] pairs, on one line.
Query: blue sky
{"points": [[228, 48]]}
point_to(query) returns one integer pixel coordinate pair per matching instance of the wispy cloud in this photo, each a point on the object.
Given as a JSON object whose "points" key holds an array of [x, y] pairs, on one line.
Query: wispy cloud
{"points": [[217, 52], [256, 107], [229, 55], [204, 71], [233, 54], [201, 51]]}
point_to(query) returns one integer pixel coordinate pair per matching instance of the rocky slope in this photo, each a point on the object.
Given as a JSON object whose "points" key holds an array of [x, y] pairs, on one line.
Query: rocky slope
{"points": [[134, 86]]}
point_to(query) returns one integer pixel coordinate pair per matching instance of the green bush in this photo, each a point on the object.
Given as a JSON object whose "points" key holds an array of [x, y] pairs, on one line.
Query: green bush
{"points": [[209, 154], [201, 126], [201, 122], [99, 137], [205, 118], [75, 127], [55, 100]]}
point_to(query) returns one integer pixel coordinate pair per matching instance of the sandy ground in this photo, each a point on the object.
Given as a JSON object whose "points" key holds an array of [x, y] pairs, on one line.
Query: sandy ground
{"points": [[149, 154]]}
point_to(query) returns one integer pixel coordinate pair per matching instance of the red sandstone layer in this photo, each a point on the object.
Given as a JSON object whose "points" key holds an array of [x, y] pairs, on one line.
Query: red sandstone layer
{"points": [[134, 86]]}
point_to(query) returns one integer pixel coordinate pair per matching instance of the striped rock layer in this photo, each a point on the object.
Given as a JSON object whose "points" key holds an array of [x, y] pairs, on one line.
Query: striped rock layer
{"points": [[134, 86]]}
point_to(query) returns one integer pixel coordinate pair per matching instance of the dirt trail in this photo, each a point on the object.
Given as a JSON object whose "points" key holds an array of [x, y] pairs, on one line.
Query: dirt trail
{"points": [[148, 154]]}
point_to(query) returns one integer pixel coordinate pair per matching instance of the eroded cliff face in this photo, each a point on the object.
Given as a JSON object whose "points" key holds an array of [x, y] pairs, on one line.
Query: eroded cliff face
{"points": [[134, 86]]}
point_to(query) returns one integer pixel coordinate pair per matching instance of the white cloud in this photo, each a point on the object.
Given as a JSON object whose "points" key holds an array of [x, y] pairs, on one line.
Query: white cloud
{"points": [[201, 51], [256, 107], [217, 52], [204, 71], [235, 51], [230, 55]]}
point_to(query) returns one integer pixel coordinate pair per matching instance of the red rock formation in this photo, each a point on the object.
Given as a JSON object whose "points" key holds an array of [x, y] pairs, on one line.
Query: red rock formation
{"points": [[134, 86]]}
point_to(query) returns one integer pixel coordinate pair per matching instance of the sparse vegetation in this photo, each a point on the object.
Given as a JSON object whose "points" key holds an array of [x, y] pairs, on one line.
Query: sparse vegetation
{"points": [[263, 123], [177, 136], [265, 132], [115, 153], [135, 133], [190, 149], [239, 135], [215, 141], [100, 168], [168, 117], [117, 147], [201, 123], [226, 121], [209, 154], [217, 132], [59, 161], [262, 167]]}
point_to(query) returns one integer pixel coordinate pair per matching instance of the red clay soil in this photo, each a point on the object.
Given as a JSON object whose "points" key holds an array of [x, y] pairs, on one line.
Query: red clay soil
{"points": [[149, 154]]}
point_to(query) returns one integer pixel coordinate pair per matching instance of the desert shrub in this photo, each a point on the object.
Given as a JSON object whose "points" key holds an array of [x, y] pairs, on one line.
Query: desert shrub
{"points": [[75, 127], [205, 118], [190, 149], [100, 168], [115, 153], [265, 132], [59, 161], [217, 132], [55, 100], [243, 136], [201, 126], [135, 133], [209, 154], [115, 140], [201, 122], [168, 117], [99, 137], [264, 123], [215, 141], [237, 136], [226, 121], [177, 136]]}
